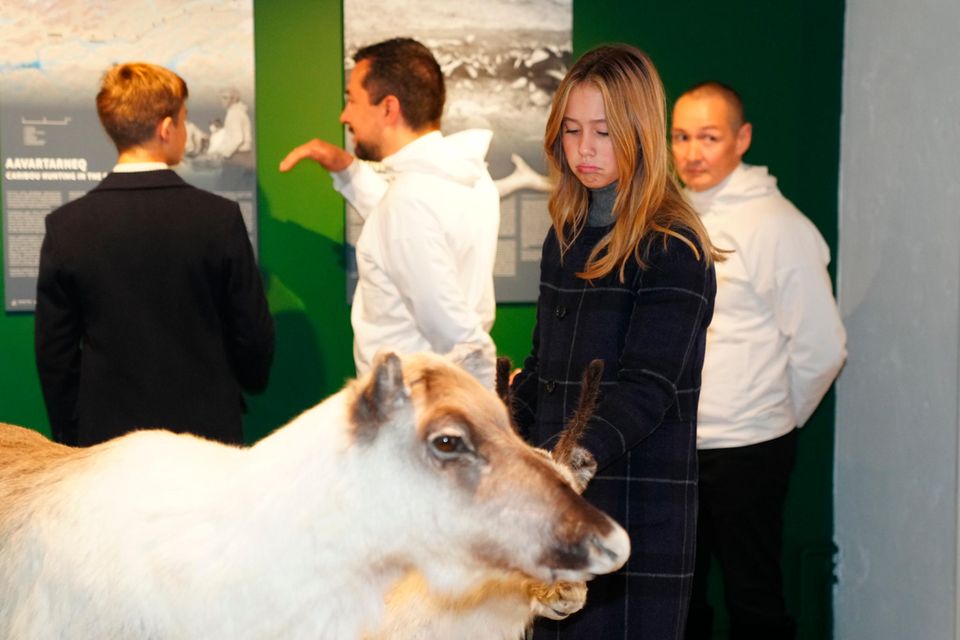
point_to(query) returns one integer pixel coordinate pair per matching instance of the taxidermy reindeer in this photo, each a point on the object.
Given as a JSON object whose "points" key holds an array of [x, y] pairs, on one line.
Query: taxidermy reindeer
{"points": [[412, 468], [501, 608]]}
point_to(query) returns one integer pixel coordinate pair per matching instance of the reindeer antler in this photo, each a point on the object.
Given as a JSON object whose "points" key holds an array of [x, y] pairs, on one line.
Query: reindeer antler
{"points": [[503, 379], [567, 450]]}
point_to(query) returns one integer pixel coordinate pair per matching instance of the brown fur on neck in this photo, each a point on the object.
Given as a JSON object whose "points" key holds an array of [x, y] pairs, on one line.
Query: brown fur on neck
{"points": [[27, 458]]}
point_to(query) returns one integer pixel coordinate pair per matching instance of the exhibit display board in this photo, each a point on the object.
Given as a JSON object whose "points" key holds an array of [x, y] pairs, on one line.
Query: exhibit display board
{"points": [[53, 147]]}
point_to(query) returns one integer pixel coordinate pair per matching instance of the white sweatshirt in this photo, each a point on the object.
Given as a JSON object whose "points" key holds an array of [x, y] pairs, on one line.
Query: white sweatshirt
{"points": [[426, 253], [776, 341]]}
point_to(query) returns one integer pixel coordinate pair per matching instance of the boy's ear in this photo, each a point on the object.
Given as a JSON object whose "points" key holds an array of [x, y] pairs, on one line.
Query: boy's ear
{"points": [[164, 128]]}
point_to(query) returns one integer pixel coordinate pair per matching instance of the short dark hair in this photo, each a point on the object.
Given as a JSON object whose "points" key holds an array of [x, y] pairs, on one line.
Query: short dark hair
{"points": [[404, 68], [725, 91], [134, 97]]}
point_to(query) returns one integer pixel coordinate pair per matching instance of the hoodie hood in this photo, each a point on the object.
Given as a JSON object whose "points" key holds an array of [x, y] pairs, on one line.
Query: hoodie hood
{"points": [[745, 183], [459, 157]]}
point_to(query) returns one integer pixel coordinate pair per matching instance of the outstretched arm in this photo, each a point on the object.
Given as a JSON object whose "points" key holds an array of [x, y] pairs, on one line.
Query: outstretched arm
{"points": [[329, 156], [360, 184]]}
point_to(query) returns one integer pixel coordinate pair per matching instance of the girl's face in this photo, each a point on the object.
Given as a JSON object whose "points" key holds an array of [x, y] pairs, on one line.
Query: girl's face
{"points": [[586, 141]]}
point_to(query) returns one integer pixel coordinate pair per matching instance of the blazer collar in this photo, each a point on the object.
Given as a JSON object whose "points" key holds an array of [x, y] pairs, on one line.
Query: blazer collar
{"points": [[141, 180]]}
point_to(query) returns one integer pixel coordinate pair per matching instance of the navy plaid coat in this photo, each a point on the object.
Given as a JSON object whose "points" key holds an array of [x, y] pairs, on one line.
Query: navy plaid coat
{"points": [[650, 330]]}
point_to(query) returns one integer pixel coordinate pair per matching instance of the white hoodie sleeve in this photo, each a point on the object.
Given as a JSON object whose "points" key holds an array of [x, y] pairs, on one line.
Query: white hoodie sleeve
{"points": [[361, 185], [806, 314]]}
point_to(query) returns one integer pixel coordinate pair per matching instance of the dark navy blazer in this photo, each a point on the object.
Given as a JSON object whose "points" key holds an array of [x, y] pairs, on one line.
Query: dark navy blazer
{"points": [[150, 312], [650, 330]]}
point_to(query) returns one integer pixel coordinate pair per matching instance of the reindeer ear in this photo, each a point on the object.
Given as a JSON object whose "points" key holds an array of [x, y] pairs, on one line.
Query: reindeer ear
{"points": [[582, 465], [383, 391], [473, 360]]}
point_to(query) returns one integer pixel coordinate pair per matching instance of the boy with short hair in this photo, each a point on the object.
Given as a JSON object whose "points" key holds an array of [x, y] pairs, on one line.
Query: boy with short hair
{"points": [[150, 307]]}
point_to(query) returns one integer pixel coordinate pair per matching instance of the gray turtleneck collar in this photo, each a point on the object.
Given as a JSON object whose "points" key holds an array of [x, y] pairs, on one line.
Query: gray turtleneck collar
{"points": [[600, 213]]}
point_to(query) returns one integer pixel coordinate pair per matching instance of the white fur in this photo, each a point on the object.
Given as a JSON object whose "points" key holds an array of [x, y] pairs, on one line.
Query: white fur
{"points": [[502, 609], [162, 536]]}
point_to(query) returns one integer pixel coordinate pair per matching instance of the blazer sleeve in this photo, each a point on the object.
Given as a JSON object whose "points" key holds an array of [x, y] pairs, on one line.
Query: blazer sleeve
{"points": [[248, 325], [674, 300], [57, 336]]}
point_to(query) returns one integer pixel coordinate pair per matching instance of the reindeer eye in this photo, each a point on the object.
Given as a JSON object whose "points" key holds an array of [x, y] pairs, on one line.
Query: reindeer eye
{"points": [[447, 445]]}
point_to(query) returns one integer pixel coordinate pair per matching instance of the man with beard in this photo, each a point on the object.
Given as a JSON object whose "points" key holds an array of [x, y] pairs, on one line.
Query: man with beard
{"points": [[426, 253]]}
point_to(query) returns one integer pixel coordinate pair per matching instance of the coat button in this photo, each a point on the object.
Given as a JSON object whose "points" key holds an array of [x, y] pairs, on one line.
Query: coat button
{"points": [[551, 385], [561, 311]]}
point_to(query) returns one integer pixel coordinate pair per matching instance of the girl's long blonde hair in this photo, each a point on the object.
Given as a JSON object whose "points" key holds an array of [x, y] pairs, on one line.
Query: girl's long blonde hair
{"points": [[649, 202]]}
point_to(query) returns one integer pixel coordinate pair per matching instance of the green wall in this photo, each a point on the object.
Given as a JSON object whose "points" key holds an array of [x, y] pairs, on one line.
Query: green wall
{"points": [[784, 57]]}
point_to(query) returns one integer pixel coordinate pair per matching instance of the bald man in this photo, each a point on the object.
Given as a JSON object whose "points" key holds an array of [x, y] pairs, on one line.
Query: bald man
{"points": [[774, 347]]}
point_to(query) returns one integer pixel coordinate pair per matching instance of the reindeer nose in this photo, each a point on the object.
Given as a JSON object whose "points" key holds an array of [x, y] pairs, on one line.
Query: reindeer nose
{"points": [[591, 555], [610, 552]]}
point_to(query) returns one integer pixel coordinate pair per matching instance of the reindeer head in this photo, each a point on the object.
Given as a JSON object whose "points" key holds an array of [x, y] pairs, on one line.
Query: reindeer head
{"points": [[467, 497]]}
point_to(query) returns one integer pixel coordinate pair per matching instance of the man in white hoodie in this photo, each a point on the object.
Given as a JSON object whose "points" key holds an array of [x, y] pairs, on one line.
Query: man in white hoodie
{"points": [[426, 252], [774, 347]]}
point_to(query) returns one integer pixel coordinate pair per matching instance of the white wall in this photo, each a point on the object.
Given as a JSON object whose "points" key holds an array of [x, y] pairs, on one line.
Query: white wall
{"points": [[899, 272]]}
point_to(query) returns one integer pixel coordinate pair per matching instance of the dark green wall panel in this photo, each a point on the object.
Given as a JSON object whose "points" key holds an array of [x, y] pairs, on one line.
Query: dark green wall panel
{"points": [[299, 75], [784, 57]]}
